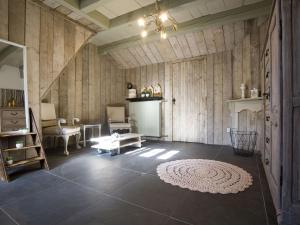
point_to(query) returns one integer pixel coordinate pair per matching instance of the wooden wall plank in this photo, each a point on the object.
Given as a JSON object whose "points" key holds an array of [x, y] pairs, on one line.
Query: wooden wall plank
{"points": [[218, 98], [210, 99], [168, 94], [219, 39], [184, 46], [78, 85], [149, 53], [58, 50], [227, 94], [16, 23], [32, 37], [85, 85], [176, 47], [4, 19], [209, 40], [229, 36], [192, 44], [199, 37], [71, 90], [44, 51]]}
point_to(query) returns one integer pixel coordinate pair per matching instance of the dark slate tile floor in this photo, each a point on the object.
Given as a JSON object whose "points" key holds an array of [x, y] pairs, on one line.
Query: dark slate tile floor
{"points": [[91, 188]]}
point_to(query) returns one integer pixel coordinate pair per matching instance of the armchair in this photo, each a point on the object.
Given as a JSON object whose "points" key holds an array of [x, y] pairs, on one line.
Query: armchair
{"points": [[116, 119], [56, 127]]}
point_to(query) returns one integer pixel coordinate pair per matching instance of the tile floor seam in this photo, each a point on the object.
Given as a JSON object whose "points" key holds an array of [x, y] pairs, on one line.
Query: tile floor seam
{"points": [[119, 199], [179, 220], [262, 193], [9, 216]]}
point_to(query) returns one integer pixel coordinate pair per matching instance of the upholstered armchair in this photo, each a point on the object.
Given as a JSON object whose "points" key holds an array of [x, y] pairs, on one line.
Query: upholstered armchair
{"points": [[57, 127], [117, 122]]}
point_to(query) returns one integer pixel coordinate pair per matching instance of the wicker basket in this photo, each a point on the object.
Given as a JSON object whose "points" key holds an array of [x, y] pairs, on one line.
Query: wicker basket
{"points": [[243, 142]]}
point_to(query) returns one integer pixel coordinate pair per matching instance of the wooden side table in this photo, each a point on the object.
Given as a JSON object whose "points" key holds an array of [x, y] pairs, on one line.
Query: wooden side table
{"points": [[89, 126]]}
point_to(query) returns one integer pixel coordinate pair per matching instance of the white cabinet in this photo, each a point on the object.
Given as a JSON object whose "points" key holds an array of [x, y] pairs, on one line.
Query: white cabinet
{"points": [[146, 117]]}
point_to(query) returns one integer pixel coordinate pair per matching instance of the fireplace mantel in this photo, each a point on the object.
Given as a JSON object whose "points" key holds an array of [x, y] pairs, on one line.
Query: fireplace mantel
{"points": [[238, 105]]}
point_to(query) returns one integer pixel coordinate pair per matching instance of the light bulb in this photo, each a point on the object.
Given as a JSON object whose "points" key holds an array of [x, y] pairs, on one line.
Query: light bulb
{"points": [[163, 35], [144, 33], [163, 17], [141, 22]]}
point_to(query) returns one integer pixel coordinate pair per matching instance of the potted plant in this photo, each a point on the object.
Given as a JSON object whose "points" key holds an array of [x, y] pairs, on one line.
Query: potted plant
{"points": [[19, 144], [9, 160]]}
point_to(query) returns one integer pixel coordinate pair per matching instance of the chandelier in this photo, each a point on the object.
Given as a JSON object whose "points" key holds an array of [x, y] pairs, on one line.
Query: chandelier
{"points": [[161, 20]]}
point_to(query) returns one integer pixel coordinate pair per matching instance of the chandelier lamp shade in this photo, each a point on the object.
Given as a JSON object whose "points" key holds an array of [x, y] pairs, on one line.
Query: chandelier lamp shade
{"points": [[161, 21]]}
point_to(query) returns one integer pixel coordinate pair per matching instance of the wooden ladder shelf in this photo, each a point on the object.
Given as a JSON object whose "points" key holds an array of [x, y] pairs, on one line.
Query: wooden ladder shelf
{"points": [[32, 146]]}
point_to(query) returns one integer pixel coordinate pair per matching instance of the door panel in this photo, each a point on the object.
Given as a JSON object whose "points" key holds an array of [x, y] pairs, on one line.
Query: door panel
{"points": [[274, 168], [189, 111]]}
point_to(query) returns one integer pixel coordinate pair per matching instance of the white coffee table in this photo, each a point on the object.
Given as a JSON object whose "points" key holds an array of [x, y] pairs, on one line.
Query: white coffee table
{"points": [[110, 143]]}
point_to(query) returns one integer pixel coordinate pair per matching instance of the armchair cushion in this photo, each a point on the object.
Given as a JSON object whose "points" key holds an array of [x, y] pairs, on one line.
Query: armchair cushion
{"points": [[116, 114], [48, 111], [64, 130], [120, 125]]}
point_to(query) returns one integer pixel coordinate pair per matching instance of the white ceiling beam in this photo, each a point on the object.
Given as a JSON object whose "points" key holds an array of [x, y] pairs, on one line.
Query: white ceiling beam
{"points": [[94, 16], [242, 13], [90, 5]]}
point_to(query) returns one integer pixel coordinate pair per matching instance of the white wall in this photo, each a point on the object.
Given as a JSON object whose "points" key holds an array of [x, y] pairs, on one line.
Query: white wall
{"points": [[10, 78]]}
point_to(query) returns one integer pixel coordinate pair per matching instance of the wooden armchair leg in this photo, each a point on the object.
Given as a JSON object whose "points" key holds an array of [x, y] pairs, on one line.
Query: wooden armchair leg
{"points": [[66, 139]]}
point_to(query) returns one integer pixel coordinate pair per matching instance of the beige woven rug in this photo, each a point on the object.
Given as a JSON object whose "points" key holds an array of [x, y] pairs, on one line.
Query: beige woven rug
{"points": [[205, 175]]}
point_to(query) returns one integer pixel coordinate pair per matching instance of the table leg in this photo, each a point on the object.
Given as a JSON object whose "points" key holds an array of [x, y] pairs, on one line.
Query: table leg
{"points": [[84, 140]]}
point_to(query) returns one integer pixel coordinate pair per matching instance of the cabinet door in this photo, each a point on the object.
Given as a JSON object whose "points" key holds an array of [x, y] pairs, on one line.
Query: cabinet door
{"points": [[275, 109]]}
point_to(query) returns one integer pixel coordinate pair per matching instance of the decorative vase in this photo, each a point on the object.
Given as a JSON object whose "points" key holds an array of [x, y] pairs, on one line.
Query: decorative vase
{"points": [[13, 103], [19, 145], [9, 162], [243, 88]]}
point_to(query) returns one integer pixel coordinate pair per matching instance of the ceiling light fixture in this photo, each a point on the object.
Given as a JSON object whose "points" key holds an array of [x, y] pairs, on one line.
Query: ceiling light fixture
{"points": [[161, 20]]}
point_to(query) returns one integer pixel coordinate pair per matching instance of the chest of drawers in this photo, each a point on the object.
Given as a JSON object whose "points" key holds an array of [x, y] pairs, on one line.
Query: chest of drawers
{"points": [[12, 119]]}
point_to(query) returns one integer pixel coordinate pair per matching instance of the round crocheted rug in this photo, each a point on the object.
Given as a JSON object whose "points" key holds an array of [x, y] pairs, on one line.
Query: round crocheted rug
{"points": [[205, 175]]}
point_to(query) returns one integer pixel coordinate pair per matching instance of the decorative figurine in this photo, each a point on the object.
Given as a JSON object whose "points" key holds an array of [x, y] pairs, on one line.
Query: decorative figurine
{"points": [[243, 88]]}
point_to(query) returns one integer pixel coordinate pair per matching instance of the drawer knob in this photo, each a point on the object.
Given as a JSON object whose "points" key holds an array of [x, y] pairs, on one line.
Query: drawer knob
{"points": [[267, 118], [13, 113], [267, 161], [267, 74], [267, 52], [267, 140]]}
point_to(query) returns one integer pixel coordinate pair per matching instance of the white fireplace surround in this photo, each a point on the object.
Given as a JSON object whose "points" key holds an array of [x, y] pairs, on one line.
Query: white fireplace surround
{"points": [[238, 105]]}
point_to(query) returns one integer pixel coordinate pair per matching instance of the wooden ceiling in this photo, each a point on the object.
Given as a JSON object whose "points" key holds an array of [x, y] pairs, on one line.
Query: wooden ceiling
{"points": [[116, 20], [188, 45], [204, 26]]}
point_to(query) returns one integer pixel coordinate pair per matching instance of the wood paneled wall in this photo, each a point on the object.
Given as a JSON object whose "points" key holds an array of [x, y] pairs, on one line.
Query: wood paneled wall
{"points": [[224, 73], [50, 38], [191, 44], [87, 85]]}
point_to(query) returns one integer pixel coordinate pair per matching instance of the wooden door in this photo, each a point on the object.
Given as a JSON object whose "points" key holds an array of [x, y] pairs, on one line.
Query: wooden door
{"points": [[189, 101], [273, 106]]}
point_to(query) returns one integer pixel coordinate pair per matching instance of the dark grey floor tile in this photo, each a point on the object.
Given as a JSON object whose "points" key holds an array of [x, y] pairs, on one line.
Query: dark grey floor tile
{"points": [[176, 222], [70, 193], [5, 220], [114, 212], [27, 184], [217, 209], [85, 165], [53, 205], [151, 192], [108, 179]]}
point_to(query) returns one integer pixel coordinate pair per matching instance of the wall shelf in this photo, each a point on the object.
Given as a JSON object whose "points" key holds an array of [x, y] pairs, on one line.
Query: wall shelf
{"points": [[238, 105], [144, 99]]}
